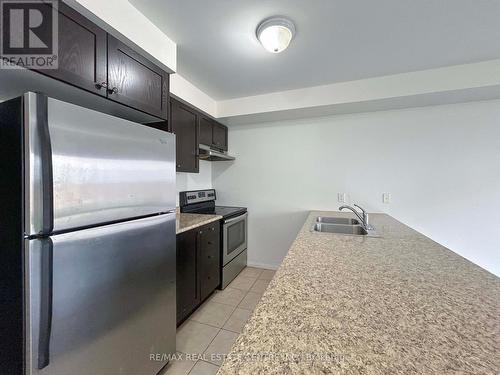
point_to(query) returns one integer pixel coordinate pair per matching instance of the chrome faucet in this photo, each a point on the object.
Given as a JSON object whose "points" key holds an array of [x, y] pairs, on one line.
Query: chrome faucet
{"points": [[363, 217]]}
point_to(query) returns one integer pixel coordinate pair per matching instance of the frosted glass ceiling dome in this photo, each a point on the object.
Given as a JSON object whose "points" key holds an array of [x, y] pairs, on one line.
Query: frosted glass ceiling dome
{"points": [[275, 34]]}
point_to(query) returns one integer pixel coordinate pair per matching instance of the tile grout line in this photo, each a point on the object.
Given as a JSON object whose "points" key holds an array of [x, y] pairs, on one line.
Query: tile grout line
{"points": [[201, 360], [246, 292], [213, 341], [219, 329], [225, 321], [204, 350], [237, 307]]}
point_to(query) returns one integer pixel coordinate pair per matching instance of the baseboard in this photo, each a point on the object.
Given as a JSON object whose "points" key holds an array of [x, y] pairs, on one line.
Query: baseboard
{"points": [[263, 265]]}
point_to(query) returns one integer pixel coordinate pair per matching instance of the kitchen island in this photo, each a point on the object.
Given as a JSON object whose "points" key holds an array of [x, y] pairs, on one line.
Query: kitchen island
{"points": [[398, 304]]}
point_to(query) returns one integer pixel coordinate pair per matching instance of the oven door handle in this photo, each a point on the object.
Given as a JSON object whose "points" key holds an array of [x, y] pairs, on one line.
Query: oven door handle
{"points": [[238, 218]]}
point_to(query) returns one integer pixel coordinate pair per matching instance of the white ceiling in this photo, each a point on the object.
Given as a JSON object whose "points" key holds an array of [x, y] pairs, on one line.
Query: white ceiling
{"points": [[336, 40]]}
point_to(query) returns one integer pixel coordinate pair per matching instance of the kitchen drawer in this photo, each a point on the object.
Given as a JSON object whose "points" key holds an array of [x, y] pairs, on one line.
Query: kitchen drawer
{"points": [[210, 234], [198, 267], [209, 258]]}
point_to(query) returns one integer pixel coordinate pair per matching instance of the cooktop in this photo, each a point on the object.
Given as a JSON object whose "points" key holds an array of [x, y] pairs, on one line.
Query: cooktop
{"points": [[203, 202]]}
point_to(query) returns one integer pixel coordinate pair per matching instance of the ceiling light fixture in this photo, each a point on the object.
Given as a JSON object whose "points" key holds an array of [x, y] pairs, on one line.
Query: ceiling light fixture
{"points": [[275, 33]]}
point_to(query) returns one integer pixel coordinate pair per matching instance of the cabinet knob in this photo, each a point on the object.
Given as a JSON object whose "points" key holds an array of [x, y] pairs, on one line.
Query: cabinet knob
{"points": [[178, 165], [200, 232], [100, 85], [212, 229], [114, 90]]}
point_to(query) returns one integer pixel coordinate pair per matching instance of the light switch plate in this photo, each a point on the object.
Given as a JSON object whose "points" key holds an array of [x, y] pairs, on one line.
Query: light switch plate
{"points": [[386, 198], [341, 197]]}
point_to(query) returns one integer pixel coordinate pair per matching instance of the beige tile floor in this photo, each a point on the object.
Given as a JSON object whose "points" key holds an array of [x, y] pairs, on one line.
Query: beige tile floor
{"points": [[209, 333]]}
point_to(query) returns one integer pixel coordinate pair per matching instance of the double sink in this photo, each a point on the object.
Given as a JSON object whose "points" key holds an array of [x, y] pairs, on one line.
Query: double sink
{"points": [[342, 225]]}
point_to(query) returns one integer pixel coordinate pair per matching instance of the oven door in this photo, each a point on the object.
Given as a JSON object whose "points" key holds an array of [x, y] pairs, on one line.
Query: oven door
{"points": [[235, 237]]}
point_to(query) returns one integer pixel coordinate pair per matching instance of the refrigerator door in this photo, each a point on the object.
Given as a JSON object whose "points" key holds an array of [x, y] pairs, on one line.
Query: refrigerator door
{"points": [[101, 301], [87, 168]]}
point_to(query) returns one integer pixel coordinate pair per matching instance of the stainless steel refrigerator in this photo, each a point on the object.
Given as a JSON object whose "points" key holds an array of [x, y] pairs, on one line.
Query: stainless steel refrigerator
{"points": [[87, 241]]}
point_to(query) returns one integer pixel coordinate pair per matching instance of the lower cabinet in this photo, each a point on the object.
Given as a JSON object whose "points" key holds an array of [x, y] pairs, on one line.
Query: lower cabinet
{"points": [[198, 267], [209, 259], [188, 294]]}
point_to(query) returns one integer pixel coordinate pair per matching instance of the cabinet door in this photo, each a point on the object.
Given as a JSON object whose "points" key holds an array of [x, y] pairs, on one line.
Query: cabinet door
{"points": [[219, 136], [135, 81], [82, 52], [185, 127], [206, 125], [188, 295], [209, 258]]}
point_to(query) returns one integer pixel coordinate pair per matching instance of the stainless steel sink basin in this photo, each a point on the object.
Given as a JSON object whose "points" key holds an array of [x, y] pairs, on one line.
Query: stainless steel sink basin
{"points": [[345, 229], [355, 230], [337, 220]]}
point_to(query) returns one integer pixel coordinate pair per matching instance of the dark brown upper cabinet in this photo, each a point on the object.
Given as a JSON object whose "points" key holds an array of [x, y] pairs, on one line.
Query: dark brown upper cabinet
{"points": [[134, 81], [82, 52], [184, 124], [219, 136], [212, 133], [206, 125], [93, 60], [193, 128]]}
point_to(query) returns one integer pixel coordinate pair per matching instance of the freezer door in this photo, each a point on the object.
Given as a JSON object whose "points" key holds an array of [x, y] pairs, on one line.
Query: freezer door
{"points": [[101, 301], [90, 168]]}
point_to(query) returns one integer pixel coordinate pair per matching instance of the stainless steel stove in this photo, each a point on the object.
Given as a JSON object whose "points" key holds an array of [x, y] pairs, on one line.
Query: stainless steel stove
{"points": [[234, 227]]}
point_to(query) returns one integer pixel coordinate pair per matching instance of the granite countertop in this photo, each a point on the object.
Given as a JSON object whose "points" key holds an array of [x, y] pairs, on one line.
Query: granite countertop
{"points": [[399, 304], [185, 222]]}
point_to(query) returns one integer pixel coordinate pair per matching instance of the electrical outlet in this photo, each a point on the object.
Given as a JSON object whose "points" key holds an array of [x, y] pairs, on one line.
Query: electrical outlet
{"points": [[341, 197], [386, 198]]}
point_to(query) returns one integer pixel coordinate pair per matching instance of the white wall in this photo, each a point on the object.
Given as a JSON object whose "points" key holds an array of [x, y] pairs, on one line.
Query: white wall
{"points": [[124, 21], [441, 164], [195, 181], [432, 81], [193, 95]]}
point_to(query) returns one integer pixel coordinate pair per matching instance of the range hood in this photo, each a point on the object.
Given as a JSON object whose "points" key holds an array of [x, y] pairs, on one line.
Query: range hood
{"points": [[207, 153]]}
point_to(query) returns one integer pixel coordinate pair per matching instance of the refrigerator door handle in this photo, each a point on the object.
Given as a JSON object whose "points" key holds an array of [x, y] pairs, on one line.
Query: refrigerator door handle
{"points": [[46, 295], [38, 179], [46, 165]]}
